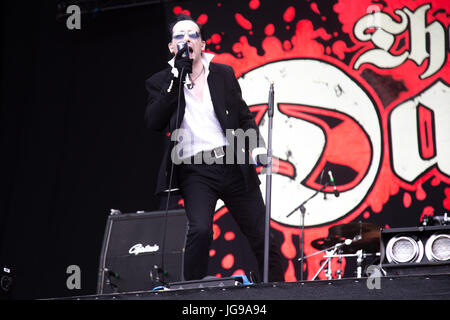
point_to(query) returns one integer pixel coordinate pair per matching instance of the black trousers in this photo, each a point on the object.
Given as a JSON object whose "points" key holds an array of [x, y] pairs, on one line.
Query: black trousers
{"points": [[201, 186]]}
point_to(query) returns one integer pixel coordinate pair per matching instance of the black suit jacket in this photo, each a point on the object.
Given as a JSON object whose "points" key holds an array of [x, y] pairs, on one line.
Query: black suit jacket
{"points": [[231, 110]]}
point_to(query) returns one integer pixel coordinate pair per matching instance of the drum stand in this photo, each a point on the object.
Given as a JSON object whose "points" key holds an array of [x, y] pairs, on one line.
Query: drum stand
{"points": [[327, 262], [332, 252], [359, 259]]}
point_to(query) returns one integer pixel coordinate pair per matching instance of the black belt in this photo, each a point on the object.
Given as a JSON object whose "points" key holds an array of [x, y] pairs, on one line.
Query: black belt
{"points": [[217, 153]]}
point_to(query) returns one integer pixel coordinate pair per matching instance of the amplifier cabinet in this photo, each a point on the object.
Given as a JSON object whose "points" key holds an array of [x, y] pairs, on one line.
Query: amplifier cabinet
{"points": [[131, 256]]}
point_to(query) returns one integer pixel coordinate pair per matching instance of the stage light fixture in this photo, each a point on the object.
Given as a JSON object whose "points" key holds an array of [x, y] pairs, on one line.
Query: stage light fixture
{"points": [[437, 247], [416, 250], [404, 249]]}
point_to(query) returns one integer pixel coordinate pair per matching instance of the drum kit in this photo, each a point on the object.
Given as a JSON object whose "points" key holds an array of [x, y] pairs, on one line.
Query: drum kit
{"points": [[357, 239]]}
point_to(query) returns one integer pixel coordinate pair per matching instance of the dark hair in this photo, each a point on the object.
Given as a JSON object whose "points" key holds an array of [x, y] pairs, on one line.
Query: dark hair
{"points": [[183, 17]]}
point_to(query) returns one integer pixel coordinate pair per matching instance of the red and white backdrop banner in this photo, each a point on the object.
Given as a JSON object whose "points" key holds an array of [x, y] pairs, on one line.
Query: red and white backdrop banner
{"points": [[361, 89]]}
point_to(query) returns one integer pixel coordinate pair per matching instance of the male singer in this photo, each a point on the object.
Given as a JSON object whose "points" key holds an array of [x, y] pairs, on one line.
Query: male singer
{"points": [[208, 106]]}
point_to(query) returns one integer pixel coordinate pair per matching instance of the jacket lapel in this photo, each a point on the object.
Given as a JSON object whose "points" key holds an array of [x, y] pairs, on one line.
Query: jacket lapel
{"points": [[173, 118], [217, 90]]}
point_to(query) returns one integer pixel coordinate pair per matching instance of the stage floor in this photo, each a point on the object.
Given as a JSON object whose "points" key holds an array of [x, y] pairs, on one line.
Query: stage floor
{"points": [[411, 287]]}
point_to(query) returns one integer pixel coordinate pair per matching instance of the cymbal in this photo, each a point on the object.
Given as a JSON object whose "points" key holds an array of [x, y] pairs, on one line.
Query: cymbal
{"points": [[350, 230], [324, 243], [369, 245], [368, 234], [365, 236]]}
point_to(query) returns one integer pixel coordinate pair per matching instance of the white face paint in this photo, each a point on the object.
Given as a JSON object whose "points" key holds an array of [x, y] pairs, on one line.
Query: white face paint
{"points": [[196, 46]]}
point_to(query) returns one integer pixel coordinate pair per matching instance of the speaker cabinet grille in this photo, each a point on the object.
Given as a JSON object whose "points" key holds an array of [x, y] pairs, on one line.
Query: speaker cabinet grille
{"points": [[132, 251]]}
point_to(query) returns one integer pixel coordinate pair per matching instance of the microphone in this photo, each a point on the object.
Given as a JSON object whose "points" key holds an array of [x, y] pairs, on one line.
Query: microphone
{"points": [[181, 45], [321, 179], [336, 192]]}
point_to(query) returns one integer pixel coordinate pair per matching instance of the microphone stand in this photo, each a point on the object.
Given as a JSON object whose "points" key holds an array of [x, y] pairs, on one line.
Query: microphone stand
{"points": [[166, 212], [270, 112], [303, 210]]}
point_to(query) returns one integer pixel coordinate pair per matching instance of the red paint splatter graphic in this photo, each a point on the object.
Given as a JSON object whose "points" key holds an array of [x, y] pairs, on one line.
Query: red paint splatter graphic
{"points": [[254, 4], [446, 202], [427, 211], [339, 48], [315, 8], [179, 10], [289, 14], [228, 236], [407, 200], [202, 19], [307, 41], [228, 261], [420, 193], [269, 30], [303, 45], [239, 272], [244, 23], [216, 38], [216, 231]]}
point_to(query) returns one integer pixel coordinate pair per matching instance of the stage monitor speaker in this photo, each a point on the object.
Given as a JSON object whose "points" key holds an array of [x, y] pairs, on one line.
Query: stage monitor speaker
{"points": [[415, 251], [131, 255]]}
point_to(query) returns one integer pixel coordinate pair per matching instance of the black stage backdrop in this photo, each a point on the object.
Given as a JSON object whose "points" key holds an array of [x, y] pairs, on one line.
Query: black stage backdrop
{"points": [[74, 144]]}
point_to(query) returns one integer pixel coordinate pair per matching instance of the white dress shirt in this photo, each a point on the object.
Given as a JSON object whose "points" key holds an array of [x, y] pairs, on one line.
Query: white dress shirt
{"points": [[200, 128]]}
